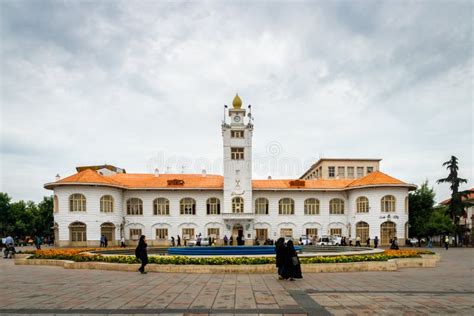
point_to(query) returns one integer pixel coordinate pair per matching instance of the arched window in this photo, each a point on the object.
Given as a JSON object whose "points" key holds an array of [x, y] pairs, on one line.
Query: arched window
{"points": [[161, 206], [387, 204], [107, 204], [406, 205], [362, 231], [311, 206], [55, 204], [388, 230], [286, 206], [77, 203], [134, 206], [213, 206], [362, 204], [78, 232], [336, 206], [187, 206], [237, 205], [261, 206]]}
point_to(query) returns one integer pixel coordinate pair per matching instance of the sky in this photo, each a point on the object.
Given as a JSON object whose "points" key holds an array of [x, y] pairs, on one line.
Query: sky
{"points": [[142, 85]]}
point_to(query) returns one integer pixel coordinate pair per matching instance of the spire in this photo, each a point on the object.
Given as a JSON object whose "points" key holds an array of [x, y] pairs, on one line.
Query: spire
{"points": [[237, 102]]}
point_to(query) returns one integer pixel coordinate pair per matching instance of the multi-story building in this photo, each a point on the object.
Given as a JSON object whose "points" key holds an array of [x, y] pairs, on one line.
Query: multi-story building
{"points": [[347, 197]]}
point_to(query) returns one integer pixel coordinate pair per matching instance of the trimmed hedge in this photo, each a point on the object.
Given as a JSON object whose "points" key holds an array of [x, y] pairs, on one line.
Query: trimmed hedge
{"points": [[183, 260]]}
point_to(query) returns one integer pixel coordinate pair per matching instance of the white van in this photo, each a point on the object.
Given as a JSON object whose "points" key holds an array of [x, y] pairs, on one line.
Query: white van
{"points": [[327, 240]]}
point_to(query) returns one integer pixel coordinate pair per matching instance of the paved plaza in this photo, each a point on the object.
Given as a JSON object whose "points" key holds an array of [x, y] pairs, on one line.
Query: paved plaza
{"points": [[446, 289]]}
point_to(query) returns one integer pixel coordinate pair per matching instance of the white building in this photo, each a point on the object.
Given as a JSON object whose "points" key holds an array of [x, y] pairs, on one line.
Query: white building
{"points": [[348, 197]]}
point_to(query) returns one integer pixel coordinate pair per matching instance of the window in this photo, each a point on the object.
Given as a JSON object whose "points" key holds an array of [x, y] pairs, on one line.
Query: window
{"points": [[261, 233], [161, 206], [77, 203], [134, 206], [237, 205], [162, 233], [370, 170], [331, 172], [341, 171], [188, 233], [311, 206], [286, 232], [406, 205], [135, 233], [237, 134], [350, 172], [78, 232], [213, 233], [335, 232], [311, 232], [387, 204], [360, 172], [362, 231], [187, 206], [336, 206], [362, 204], [286, 206], [55, 204], [213, 206], [261, 206], [237, 153], [107, 204]]}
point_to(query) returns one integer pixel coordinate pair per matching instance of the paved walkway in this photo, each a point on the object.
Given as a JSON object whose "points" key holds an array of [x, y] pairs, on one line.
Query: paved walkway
{"points": [[446, 289]]}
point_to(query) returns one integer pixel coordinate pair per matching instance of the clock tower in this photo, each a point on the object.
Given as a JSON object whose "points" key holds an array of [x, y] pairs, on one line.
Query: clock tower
{"points": [[237, 139]]}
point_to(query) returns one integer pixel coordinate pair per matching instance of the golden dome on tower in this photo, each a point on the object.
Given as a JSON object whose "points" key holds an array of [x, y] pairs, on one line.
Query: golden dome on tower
{"points": [[237, 102]]}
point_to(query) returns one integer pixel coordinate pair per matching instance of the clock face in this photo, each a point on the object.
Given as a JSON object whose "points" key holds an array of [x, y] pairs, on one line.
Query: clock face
{"points": [[237, 118]]}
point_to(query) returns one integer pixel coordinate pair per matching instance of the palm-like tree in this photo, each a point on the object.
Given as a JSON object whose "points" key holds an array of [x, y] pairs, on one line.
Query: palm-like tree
{"points": [[456, 204]]}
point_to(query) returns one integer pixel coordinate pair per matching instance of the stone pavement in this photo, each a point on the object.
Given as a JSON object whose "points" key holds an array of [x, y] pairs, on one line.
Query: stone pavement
{"points": [[446, 289]]}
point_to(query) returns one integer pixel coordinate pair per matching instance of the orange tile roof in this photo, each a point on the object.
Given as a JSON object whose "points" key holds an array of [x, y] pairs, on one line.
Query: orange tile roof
{"points": [[470, 196], [375, 178], [198, 181]]}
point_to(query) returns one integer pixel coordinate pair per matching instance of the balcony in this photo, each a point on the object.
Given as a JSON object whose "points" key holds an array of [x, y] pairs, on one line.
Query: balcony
{"points": [[238, 215]]}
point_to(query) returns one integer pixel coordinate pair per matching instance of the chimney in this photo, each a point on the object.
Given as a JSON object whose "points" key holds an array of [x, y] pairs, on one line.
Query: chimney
{"points": [[269, 178], [204, 173], [58, 177], [157, 172]]}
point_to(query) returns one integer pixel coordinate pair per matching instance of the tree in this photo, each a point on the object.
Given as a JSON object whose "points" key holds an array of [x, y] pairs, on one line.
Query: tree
{"points": [[4, 214], [439, 222], [456, 204], [421, 204]]}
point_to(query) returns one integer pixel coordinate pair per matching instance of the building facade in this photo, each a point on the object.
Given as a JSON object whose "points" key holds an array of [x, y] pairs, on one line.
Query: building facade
{"points": [[345, 197]]}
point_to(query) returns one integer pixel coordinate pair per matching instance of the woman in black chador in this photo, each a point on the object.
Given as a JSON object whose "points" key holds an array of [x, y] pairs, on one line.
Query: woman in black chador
{"points": [[280, 256], [292, 267], [141, 254]]}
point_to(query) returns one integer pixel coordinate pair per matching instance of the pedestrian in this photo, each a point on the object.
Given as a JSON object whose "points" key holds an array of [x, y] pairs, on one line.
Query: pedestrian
{"points": [[394, 244], [446, 242], [430, 243], [376, 241], [292, 267], [280, 256], [141, 254], [231, 240], [38, 242], [106, 241], [102, 243], [226, 240], [122, 242], [179, 240], [358, 241], [368, 242], [172, 241]]}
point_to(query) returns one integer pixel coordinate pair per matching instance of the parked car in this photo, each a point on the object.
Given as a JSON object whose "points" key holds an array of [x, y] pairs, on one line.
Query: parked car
{"points": [[193, 242], [329, 241], [305, 240]]}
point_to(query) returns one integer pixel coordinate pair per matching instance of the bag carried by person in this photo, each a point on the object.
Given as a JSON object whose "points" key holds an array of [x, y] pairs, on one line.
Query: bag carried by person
{"points": [[295, 260]]}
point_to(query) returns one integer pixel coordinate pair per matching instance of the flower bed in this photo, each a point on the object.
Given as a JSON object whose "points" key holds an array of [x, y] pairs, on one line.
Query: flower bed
{"points": [[79, 255]]}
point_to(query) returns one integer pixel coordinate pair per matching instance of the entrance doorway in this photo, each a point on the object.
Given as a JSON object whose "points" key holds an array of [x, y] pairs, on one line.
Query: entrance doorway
{"points": [[108, 230], [388, 230], [238, 235]]}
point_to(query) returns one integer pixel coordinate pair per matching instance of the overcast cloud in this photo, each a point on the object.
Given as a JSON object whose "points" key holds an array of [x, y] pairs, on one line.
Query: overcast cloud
{"points": [[142, 84]]}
